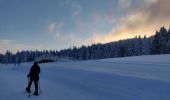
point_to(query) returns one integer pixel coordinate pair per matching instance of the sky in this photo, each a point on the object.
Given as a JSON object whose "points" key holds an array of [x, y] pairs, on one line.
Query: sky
{"points": [[60, 24]]}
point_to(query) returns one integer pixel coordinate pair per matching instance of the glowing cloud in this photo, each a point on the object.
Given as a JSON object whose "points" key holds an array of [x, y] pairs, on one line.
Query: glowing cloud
{"points": [[142, 21]]}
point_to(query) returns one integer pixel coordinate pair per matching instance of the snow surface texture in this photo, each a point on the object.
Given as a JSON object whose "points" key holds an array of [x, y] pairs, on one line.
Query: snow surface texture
{"points": [[129, 78]]}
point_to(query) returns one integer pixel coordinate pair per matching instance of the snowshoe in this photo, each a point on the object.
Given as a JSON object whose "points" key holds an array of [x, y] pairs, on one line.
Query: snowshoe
{"points": [[28, 90], [36, 93]]}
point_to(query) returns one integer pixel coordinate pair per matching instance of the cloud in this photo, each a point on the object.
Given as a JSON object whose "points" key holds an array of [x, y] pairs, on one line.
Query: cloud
{"points": [[51, 27], [74, 6], [150, 1], [63, 39], [69, 40], [75, 13], [14, 46], [55, 28], [107, 17], [125, 4], [76, 9], [145, 20]]}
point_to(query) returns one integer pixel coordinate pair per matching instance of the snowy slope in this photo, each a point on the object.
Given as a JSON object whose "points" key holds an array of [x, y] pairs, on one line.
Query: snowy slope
{"points": [[129, 78]]}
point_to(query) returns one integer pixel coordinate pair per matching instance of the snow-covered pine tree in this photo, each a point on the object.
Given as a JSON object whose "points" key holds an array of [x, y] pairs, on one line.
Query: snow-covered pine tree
{"points": [[146, 46], [163, 39], [155, 49], [167, 49], [1, 58], [7, 57]]}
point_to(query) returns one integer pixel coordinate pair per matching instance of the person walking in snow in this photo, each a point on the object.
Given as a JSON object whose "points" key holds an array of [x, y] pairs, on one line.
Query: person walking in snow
{"points": [[33, 76]]}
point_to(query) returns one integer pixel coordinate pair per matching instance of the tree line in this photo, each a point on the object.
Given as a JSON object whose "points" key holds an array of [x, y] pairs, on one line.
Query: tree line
{"points": [[156, 44]]}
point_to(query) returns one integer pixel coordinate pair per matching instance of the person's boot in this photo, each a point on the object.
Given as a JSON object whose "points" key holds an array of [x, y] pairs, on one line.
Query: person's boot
{"points": [[28, 90], [36, 93]]}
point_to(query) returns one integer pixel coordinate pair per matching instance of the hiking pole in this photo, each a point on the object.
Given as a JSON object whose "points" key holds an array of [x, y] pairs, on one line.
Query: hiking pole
{"points": [[39, 87], [29, 95]]}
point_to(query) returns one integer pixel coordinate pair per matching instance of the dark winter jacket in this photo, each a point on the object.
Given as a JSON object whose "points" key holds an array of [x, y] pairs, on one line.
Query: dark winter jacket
{"points": [[34, 72]]}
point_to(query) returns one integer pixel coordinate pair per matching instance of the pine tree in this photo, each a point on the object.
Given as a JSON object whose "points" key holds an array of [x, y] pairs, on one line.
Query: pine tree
{"points": [[168, 42], [146, 46], [7, 57], [1, 58], [163, 39]]}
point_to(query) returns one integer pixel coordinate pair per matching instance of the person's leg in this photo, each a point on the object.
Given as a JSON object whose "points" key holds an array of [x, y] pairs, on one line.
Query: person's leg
{"points": [[36, 87], [29, 85]]}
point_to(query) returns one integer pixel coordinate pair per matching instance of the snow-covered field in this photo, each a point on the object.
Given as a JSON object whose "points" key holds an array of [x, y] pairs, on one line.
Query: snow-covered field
{"points": [[129, 78]]}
